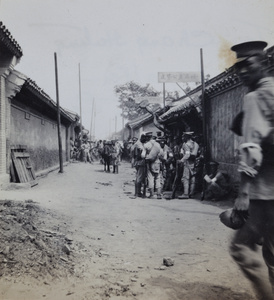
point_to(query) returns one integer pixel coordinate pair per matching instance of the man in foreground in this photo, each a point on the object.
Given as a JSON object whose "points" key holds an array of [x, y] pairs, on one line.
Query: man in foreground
{"points": [[256, 167]]}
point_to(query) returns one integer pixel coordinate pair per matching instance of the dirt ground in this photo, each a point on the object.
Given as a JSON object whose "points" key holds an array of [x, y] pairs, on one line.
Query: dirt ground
{"points": [[82, 235]]}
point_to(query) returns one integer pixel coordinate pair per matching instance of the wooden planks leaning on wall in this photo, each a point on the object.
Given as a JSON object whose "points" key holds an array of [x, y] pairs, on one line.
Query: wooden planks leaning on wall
{"points": [[21, 168]]}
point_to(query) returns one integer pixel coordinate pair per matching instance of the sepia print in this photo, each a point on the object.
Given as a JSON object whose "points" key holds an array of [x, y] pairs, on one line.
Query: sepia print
{"points": [[136, 149]]}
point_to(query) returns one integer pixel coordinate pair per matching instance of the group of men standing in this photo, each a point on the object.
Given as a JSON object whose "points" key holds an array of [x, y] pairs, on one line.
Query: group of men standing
{"points": [[155, 162]]}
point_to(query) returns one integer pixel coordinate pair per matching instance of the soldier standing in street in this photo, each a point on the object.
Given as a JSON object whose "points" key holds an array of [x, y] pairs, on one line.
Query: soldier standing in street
{"points": [[140, 165], [256, 167], [189, 151], [154, 154], [131, 151]]}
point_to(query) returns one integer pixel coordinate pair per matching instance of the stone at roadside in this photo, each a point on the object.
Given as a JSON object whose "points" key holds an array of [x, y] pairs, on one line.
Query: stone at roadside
{"points": [[68, 239], [66, 249], [161, 268], [63, 259], [167, 261], [133, 279]]}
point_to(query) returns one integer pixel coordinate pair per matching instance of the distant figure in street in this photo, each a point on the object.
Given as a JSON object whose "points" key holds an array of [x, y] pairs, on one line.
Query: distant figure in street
{"points": [[85, 148], [71, 143], [189, 152], [256, 167], [131, 151], [100, 147], [115, 155], [107, 156]]}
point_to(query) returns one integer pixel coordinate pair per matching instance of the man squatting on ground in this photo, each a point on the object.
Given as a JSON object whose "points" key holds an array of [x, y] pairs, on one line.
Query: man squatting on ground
{"points": [[256, 167]]}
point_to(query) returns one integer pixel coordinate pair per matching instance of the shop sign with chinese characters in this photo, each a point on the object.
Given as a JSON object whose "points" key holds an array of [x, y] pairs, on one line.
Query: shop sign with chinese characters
{"points": [[179, 77]]}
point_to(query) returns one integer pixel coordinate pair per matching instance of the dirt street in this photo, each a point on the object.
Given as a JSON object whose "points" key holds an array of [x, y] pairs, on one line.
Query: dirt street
{"points": [[82, 235]]}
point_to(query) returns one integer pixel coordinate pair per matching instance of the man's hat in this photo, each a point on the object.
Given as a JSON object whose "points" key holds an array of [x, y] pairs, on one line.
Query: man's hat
{"points": [[247, 49], [233, 218]]}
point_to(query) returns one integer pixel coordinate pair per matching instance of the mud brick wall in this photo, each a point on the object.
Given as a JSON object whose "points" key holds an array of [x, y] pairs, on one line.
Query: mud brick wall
{"points": [[40, 135]]}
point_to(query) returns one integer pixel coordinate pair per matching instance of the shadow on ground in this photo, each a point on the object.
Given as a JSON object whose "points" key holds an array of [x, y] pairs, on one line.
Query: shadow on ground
{"points": [[197, 290]]}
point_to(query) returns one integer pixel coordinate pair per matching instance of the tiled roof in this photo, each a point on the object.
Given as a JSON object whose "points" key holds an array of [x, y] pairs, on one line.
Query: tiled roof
{"points": [[182, 104], [142, 119], [139, 120], [31, 85], [227, 82], [72, 114], [7, 39]]}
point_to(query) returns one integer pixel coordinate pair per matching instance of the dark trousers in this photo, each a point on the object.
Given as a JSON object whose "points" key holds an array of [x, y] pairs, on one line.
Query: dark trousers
{"points": [[245, 250]]}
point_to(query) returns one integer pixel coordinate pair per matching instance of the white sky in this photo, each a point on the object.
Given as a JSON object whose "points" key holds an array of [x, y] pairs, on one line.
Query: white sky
{"points": [[116, 41]]}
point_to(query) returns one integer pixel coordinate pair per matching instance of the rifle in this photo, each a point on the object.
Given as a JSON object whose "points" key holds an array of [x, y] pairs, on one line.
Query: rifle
{"points": [[145, 180], [177, 179]]}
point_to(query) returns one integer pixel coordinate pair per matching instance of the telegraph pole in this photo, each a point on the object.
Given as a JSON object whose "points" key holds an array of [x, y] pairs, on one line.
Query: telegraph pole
{"points": [[80, 106], [58, 117]]}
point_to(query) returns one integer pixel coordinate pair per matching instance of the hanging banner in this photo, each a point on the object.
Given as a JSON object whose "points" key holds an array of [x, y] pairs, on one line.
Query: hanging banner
{"points": [[179, 77]]}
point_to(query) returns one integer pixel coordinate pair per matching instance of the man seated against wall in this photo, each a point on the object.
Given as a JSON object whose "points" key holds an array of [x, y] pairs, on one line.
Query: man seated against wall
{"points": [[217, 183]]}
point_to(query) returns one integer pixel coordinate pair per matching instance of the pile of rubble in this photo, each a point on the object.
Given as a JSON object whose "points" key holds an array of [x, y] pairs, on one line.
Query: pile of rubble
{"points": [[32, 242]]}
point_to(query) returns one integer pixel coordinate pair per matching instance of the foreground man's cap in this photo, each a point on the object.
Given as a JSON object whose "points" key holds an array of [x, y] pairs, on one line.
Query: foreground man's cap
{"points": [[247, 49]]}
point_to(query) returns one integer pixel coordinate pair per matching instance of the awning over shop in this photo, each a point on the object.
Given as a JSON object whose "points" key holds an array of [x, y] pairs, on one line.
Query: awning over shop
{"points": [[182, 106], [139, 121], [142, 119]]}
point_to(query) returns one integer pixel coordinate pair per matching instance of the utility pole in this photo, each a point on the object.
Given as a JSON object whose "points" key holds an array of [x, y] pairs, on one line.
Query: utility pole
{"points": [[58, 117], [80, 106], [164, 94], [205, 143], [92, 120]]}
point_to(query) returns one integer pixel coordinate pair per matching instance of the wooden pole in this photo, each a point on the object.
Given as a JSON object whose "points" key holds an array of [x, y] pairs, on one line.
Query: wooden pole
{"points": [[94, 118], [205, 142], [91, 122], [204, 107], [164, 94], [58, 117], [123, 125], [80, 106]]}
